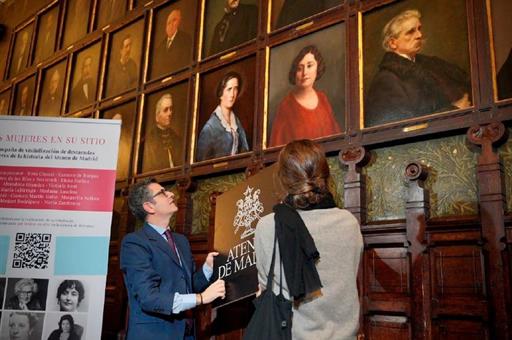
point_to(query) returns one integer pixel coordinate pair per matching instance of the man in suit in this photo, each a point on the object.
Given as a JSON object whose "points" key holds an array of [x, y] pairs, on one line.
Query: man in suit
{"points": [[23, 108], [84, 91], [175, 51], [123, 71], [238, 25], [158, 269]]}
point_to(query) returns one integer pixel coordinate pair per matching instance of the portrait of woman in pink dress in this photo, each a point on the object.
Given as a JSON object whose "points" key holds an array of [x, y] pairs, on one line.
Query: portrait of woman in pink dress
{"points": [[305, 112]]}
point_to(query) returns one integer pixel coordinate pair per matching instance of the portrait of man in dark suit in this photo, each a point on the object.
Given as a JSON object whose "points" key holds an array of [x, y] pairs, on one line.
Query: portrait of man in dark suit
{"points": [[46, 34], [126, 113], [408, 83], [124, 59], [85, 78], [4, 102], [24, 97], [109, 11], [77, 20], [164, 137], [172, 50], [237, 25], [19, 57], [52, 90]]}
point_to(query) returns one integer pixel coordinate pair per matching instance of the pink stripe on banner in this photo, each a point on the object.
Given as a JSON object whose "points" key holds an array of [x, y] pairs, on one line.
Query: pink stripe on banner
{"points": [[56, 188]]}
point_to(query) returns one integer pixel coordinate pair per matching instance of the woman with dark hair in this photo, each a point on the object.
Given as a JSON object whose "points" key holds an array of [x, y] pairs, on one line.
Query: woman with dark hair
{"points": [[223, 133], [305, 112], [69, 295], [66, 329], [320, 247]]}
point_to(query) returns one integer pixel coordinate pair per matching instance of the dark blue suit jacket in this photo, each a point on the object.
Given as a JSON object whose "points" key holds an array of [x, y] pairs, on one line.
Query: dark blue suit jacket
{"points": [[153, 274]]}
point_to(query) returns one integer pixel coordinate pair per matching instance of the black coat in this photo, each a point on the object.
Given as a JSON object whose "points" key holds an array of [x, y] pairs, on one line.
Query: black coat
{"points": [[241, 26], [404, 89], [177, 56]]}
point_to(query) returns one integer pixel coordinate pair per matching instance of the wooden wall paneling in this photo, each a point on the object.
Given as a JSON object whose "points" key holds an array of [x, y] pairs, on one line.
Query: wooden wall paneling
{"points": [[417, 213], [492, 203], [388, 327]]}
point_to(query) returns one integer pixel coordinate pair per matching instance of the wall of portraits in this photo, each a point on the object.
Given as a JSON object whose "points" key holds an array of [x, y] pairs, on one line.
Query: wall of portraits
{"points": [[87, 57]]}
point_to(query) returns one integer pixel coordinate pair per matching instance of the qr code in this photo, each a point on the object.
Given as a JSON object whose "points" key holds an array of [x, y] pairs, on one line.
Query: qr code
{"points": [[31, 250]]}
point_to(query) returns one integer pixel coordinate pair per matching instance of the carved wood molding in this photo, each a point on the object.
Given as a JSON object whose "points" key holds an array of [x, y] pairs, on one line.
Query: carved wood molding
{"points": [[487, 136]]}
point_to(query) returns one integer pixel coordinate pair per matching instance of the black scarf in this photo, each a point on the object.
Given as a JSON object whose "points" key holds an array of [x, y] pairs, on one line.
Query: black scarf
{"points": [[297, 247]]}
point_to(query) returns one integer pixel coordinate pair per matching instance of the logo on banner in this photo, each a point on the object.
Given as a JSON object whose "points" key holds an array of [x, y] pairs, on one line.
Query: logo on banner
{"points": [[250, 209]]}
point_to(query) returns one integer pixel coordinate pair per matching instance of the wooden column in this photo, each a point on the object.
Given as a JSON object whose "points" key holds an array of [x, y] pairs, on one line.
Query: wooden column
{"points": [[184, 215], [492, 202], [355, 157], [417, 211]]}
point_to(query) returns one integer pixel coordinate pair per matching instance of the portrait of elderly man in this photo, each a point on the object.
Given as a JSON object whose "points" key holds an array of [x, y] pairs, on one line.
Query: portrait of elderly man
{"points": [[237, 25], [123, 72], [175, 50], [163, 146], [409, 84]]}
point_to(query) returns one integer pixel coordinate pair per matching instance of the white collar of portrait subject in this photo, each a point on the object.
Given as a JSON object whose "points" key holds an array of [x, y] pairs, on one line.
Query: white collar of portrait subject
{"points": [[229, 127]]}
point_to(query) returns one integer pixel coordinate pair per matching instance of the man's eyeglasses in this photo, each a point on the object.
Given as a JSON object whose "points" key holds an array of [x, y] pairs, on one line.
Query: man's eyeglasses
{"points": [[160, 192]]}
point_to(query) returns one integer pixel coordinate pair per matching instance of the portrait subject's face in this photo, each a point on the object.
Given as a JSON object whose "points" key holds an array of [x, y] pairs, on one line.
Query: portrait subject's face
{"points": [[164, 116], [306, 71], [19, 327], [54, 82], [87, 68], [173, 22], [65, 326], [68, 300], [410, 39], [229, 94], [231, 5], [126, 50]]}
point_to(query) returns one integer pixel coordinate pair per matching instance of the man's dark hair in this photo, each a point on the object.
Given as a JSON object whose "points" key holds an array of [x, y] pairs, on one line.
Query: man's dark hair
{"points": [[139, 194]]}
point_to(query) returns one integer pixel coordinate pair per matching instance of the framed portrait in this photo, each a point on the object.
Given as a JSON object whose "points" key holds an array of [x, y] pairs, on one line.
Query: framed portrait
{"points": [[26, 294], [46, 34], [228, 24], [501, 11], [172, 38], [163, 138], [76, 21], [20, 49], [306, 96], [53, 321], [110, 11], [125, 55], [286, 12], [32, 324], [69, 295], [225, 120], [405, 78], [5, 97], [52, 90], [24, 97], [84, 78], [127, 114]]}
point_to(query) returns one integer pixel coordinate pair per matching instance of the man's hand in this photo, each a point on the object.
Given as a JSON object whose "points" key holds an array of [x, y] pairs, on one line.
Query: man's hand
{"points": [[215, 290], [209, 259]]}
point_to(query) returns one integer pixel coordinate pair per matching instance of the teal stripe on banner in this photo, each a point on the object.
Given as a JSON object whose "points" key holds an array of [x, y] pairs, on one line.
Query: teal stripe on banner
{"points": [[4, 252], [81, 255]]}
